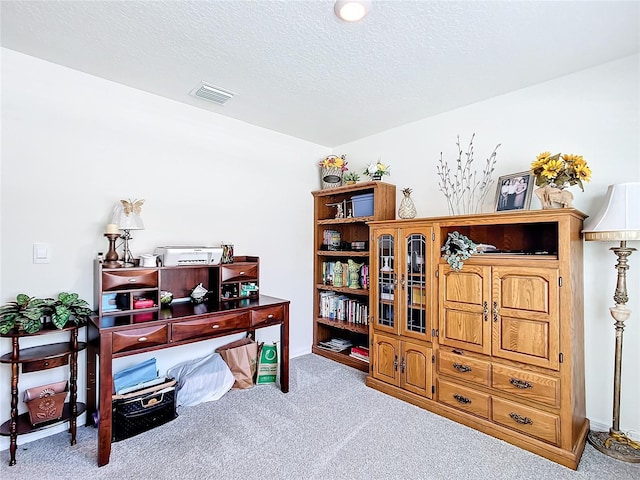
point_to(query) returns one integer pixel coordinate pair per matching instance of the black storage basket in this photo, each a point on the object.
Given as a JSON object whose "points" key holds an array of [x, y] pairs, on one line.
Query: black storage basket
{"points": [[140, 411]]}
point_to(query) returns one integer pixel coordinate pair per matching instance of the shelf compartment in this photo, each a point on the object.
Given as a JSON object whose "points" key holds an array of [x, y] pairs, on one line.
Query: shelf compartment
{"points": [[42, 352], [342, 325], [343, 358], [24, 422]]}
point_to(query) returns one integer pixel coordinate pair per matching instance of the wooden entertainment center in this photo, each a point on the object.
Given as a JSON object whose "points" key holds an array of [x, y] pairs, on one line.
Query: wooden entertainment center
{"points": [[127, 330], [496, 345]]}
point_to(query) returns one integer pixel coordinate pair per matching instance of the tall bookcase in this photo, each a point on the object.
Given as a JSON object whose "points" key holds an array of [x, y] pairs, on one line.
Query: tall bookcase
{"points": [[341, 305]]}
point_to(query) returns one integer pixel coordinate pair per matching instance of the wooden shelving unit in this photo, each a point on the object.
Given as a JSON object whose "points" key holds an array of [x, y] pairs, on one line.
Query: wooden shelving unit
{"points": [[351, 229]]}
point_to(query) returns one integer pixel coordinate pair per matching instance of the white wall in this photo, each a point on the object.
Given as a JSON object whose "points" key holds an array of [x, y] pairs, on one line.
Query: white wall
{"points": [[594, 113], [74, 144]]}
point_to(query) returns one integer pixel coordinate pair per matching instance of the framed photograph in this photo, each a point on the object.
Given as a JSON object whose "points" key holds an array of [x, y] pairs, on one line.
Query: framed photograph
{"points": [[514, 191]]}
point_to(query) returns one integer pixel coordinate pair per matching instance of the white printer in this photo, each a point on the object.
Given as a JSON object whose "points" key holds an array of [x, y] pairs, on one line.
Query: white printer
{"points": [[187, 255]]}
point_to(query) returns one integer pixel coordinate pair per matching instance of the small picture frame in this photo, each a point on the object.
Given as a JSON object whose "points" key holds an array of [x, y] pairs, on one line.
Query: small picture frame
{"points": [[514, 192]]}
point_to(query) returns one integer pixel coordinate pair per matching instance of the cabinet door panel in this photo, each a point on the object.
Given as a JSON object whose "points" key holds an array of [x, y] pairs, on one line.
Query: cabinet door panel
{"points": [[386, 357], [415, 369], [415, 283], [385, 263], [525, 315], [464, 308]]}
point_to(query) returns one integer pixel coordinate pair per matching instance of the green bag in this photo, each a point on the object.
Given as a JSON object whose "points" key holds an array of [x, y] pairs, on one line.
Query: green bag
{"points": [[267, 364]]}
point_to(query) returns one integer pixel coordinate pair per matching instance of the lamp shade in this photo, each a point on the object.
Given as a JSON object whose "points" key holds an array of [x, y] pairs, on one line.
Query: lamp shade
{"points": [[127, 215], [619, 218]]}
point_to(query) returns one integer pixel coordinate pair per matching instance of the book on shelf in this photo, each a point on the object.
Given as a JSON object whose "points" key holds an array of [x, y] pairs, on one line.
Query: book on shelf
{"points": [[339, 307], [335, 344], [359, 357]]}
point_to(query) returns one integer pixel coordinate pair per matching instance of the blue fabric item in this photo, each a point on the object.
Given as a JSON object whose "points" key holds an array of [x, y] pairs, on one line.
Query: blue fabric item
{"points": [[141, 372]]}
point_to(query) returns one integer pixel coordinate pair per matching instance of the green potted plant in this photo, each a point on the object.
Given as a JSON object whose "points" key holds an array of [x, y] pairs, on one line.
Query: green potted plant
{"points": [[350, 178], [27, 314]]}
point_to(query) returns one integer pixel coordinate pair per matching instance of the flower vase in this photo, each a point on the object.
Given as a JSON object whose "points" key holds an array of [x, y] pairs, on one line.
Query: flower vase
{"points": [[331, 177], [407, 209], [376, 177], [552, 196]]}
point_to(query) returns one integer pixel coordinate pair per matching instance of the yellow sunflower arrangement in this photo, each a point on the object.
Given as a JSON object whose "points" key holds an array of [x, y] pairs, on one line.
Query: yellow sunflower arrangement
{"points": [[560, 170]]}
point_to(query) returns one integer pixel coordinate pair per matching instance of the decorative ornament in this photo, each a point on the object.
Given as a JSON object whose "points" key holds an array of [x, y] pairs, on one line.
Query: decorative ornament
{"points": [[407, 209]]}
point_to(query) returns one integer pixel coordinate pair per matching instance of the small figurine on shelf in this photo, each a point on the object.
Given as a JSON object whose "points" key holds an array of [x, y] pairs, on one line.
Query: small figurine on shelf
{"points": [[337, 274]]}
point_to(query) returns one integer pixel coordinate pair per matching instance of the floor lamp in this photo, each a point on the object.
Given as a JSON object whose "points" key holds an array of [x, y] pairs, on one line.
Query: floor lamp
{"points": [[617, 221]]}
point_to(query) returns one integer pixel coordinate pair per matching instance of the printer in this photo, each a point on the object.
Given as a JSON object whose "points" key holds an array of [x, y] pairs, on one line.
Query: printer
{"points": [[186, 255]]}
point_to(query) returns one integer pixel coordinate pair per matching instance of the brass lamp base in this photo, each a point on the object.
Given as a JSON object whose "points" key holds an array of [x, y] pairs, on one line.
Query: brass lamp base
{"points": [[616, 445]]}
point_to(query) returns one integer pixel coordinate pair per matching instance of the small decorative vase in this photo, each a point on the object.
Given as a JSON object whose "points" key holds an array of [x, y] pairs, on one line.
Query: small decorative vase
{"points": [[331, 177], [552, 196], [407, 209], [354, 273]]}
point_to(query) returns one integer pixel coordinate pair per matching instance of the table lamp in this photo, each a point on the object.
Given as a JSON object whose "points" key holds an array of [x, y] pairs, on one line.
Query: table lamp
{"points": [[617, 221], [127, 216]]}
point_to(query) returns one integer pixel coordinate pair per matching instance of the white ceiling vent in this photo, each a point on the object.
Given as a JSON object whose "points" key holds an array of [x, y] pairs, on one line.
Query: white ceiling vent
{"points": [[211, 93]]}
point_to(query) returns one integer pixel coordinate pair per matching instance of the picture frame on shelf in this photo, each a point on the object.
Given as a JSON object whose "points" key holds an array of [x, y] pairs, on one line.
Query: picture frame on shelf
{"points": [[514, 192]]}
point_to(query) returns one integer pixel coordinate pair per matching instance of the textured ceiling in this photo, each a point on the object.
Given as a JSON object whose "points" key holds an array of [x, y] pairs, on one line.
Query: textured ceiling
{"points": [[298, 69]]}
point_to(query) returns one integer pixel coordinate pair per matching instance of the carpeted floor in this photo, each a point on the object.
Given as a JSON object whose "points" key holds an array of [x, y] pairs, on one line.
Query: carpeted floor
{"points": [[329, 426]]}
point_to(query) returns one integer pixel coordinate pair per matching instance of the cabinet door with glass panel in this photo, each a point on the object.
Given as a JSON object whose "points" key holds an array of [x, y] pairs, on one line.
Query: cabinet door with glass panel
{"points": [[384, 299], [403, 283], [415, 290]]}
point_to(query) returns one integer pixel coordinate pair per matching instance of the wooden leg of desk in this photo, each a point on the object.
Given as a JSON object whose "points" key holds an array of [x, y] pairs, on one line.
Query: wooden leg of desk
{"points": [[284, 342], [92, 354], [105, 392]]}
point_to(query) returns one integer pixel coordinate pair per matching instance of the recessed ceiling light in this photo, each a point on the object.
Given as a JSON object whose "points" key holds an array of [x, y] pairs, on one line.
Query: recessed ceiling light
{"points": [[352, 10]]}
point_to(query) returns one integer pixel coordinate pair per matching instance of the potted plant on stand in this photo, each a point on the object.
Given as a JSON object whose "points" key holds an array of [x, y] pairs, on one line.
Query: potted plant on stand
{"points": [[29, 314], [350, 178]]}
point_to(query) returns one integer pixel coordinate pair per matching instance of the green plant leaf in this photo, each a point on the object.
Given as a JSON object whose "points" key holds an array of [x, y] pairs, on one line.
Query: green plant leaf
{"points": [[61, 316], [22, 299], [6, 324], [30, 325]]}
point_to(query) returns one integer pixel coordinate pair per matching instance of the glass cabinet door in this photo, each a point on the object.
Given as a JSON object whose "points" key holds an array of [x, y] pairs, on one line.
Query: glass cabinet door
{"points": [[415, 284], [387, 281]]}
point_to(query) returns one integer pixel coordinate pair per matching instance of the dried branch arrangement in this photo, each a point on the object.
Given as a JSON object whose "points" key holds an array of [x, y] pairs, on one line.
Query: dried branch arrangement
{"points": [[465, 189]]}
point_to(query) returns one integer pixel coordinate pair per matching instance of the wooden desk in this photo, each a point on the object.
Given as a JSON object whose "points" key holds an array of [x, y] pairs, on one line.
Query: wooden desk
{"points": [[112, 337]]}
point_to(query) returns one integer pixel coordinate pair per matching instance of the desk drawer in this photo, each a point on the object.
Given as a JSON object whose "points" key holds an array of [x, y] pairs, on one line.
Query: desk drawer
{"points": [[46, 364], [239, 272], [531, 385], [127, 279], [140, 338], [209, 326], [464, 368], [464, 399], [264, 315], [536, 423]]}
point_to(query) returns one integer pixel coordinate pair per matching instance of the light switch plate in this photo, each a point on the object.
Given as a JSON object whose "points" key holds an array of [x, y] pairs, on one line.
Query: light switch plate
{"points": [[41, 253]]}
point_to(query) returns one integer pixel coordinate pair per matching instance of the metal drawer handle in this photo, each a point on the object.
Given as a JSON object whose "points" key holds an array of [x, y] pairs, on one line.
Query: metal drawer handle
{"points": [[495, 311], [215, 326], [461, 399], [462, 368], [520, 419], [46, 364], [142, 339], [485, 311], [520, 383], [241, 273], [270, 315], [132, 280]]}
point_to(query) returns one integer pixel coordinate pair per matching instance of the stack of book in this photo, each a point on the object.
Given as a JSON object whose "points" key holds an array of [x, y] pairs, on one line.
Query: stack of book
{"points": [[335, 344], [361, 353], [343, 308]]}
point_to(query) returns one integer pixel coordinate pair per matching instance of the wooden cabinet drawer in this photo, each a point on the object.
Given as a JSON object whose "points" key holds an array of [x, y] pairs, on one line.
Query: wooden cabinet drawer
{"points": [[464, 398], [239, 272], [271, 314], [127, 279], [139, 338], [531, 385], [208, 326], [44, 364], [536, 423], [463, 367]]}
